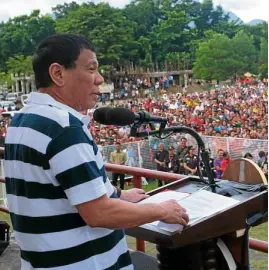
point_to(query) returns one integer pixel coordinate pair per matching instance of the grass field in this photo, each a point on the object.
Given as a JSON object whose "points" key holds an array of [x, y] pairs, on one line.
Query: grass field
{"points": [[259, 261]]}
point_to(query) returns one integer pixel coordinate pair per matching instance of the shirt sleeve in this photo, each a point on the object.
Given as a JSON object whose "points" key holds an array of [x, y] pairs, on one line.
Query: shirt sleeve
{"points": [[111, 157], [77, 165]]}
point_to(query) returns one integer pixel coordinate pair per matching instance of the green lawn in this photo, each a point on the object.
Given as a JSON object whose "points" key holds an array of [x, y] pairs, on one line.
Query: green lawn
{"points": [[258, 260]]}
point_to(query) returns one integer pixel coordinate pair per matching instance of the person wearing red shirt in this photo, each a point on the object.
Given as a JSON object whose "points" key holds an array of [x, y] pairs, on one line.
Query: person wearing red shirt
{"points": [[225, 162]]}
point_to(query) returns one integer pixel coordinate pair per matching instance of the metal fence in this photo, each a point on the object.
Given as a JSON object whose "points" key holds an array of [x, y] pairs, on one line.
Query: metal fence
{"points": [[141, 154]]}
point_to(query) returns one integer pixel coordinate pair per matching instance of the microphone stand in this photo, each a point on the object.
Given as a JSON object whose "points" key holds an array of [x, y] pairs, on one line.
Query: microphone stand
{"points": [[181, 129]]}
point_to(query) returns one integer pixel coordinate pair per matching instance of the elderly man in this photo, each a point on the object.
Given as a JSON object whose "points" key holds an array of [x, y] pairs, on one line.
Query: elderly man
{"points": [[65, 213]]}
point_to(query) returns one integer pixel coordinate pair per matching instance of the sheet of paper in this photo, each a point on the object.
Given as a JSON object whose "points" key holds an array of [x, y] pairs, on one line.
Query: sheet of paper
{"points": [[198, 205], [205, 203], [164, 196]]}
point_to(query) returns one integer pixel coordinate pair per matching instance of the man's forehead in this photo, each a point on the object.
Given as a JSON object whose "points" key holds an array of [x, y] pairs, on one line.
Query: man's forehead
{"points": [[92, 61]]}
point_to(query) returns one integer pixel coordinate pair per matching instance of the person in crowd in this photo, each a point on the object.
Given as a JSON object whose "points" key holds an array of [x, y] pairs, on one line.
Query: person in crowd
{"points": [[217, 163], [65, 212], [190, 162], [171, 162], [262, 158], [118, 157], [248, 156], [226, 111], [159, 159], [183, 150], [225, 162]]}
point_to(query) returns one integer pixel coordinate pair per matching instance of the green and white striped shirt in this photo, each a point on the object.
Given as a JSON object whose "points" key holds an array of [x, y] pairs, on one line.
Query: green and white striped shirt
{"points": [[51, 165]]}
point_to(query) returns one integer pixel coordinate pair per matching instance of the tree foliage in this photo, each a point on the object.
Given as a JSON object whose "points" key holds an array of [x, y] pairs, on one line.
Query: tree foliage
{"points": [[221, 58], [214, 59], [21, 34], [263, 58], [244, 54], [145, 33], [20, 64]]}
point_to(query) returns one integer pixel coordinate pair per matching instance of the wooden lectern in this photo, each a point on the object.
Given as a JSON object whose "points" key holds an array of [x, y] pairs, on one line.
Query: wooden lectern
{"points": [[216, 242]]}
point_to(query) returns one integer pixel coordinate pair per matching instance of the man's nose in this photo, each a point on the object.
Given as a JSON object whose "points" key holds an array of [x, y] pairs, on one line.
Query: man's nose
{"points": [[99, 79]]}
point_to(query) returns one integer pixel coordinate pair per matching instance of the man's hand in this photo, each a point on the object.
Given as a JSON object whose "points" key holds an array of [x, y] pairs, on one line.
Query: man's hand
{"points": [[133, 195], [174, 213], [193, 171]]}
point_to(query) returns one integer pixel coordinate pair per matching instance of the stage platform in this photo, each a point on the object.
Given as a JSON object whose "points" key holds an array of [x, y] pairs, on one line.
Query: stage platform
{"points": [[10, 259]]}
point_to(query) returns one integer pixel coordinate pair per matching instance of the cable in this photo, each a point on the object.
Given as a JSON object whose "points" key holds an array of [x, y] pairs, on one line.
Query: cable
{"points": [[198, 167], [200, 143], [162, 138]]}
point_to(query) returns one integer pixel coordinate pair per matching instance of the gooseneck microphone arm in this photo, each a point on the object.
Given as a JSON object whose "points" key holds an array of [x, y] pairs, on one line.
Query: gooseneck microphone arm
{"points": [[124, 117], [204, 152]]}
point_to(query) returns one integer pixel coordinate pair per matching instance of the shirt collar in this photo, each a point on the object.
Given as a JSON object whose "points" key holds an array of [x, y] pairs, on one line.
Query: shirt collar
{"points": [[45, 99]]}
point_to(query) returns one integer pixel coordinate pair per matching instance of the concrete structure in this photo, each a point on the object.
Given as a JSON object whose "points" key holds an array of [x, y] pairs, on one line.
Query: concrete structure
{"points": [[180, 77], [23, 83]]}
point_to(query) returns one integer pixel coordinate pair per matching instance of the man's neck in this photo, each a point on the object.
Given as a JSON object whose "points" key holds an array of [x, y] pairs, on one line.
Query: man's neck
{"points": [[56, 94]]}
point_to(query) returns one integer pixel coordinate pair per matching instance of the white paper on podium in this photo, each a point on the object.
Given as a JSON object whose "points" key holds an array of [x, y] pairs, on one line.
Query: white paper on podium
{"points": [[164, 196], [198, 205]]}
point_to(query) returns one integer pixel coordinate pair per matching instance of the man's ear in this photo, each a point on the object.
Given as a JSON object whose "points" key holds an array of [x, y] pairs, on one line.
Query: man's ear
{"points": [[56, 72]]}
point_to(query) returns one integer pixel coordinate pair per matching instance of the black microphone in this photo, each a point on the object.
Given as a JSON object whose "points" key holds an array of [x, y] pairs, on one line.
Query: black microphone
{"points": [[125, 117], [99, 115]]}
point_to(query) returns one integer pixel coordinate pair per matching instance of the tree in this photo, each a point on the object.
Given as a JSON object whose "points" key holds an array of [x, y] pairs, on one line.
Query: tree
{"points": [[21, 34], [205, 17], [263, 58], [145, 13], [60, 11], [20, 64], [214, 59], [110, 31], [257, 31], [173, 33], [264, 51], [145, 32], [244, 54]]}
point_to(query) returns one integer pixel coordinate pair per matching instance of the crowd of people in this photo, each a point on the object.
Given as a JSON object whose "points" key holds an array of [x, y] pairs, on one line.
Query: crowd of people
{"points": [[239, 112], [181, 158]]}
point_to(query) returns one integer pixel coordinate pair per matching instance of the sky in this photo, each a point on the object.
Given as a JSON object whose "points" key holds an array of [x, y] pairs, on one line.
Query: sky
{"points": [[247, 10]]}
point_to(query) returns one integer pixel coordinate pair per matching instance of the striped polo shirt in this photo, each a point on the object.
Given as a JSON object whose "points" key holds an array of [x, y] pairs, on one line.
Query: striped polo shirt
{"points": [[51, 165]]}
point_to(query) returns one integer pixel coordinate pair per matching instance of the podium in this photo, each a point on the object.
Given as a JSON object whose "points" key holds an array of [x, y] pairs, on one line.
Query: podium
{"points": [[217, 242]]}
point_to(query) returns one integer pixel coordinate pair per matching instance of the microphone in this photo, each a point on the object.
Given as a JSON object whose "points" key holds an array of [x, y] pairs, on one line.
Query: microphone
{"points": [[99, 115], [125, 117]]}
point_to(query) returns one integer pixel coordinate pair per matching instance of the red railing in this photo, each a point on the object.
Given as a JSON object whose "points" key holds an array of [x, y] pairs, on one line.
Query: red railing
{"points": [[137, 173]]}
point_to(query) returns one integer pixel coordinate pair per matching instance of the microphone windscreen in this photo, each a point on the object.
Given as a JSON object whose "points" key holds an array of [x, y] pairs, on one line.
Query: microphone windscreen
{"points": [[120, 117], [100, 115]]}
